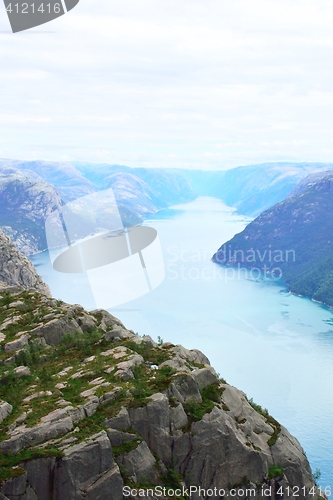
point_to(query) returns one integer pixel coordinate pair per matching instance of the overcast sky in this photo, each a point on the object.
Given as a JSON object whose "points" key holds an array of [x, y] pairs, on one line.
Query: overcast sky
{"points": [[186, 83]]}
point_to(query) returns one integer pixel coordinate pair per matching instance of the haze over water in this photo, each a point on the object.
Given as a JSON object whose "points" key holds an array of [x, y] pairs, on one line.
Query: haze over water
{"points": [[276, 347]]}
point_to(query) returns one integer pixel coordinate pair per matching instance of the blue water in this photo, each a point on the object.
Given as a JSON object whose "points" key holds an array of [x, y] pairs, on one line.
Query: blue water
{"points": [[276, 347]]}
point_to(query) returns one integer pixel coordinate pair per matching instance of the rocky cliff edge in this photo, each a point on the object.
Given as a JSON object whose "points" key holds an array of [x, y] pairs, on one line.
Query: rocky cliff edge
{"points": [[90, 410]]}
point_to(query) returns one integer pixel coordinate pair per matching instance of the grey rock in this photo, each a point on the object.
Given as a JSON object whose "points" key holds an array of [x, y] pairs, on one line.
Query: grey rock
{"points": [[152, 422], [121, 422], [181, 453], [118, 438], [15, 487], [91, 407], [106, 321], [177, 363], [148, 341], [86, 322], [18, 343], [17, 270], [109, 483], [288, 453], [140, 465], [36, 435], [220, 455], [98, 480], [204, 377], [119, 333], [194, 355], [22, 371], [184, 388], [54, 330], [178, 417], [5, 410]]}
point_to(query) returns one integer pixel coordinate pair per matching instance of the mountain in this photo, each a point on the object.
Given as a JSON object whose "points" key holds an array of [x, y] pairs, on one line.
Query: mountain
{"points": [[31, 190], [293, 239], [90, 410], [16, 269], [161, 187], [67, 180], [254, 188], [25, 203]]}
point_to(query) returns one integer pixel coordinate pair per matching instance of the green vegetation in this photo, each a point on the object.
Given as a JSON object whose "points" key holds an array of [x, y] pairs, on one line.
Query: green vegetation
{"points": [[269, 419], [126, 447], [275, 471], [210, 395], [301, 225], [154, 356], [9, 463]]}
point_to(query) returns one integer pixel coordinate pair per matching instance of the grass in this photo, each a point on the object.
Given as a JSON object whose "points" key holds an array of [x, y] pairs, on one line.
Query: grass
{"points": [[126, 447], [154, 356], [270, 420], [275, 471], [9, 463], [211, 394]]}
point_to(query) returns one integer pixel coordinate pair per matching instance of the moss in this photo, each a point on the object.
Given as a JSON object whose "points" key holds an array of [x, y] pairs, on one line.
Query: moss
{"points": [[126, 447], [275, 471], [163, 378]]}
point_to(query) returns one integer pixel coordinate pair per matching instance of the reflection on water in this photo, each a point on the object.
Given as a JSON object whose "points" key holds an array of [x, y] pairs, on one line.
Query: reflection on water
{"points": [[276, 347]]}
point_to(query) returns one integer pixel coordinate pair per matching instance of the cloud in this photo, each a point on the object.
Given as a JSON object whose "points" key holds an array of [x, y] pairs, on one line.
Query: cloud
{"points": [[199, 83]]}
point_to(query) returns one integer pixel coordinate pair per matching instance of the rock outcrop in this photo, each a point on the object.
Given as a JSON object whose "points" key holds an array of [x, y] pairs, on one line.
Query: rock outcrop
{"points": [[92, 411], [16, 269]]}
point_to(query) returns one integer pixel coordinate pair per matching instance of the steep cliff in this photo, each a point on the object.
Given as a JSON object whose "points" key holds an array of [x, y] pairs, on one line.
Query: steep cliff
{"points": [[92, 411], [16, 269]]}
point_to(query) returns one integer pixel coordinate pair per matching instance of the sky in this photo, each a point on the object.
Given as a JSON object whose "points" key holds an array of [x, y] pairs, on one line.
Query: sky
{"points": [[206, 84]]}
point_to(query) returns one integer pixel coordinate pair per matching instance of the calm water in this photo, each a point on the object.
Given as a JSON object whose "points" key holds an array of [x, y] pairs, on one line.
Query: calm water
{"points": [[276, 347]]}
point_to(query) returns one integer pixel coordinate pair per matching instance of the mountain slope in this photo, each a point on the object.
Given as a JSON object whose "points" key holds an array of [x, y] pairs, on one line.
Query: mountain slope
{"points": [[68, 181], [254, 188], [16, 269], [89, 408], [293, 239], [25, 203]]}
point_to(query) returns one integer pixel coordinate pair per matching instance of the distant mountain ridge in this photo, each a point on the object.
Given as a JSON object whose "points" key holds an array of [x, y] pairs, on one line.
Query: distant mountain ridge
{"points": [[31, 190], [294, 237]]}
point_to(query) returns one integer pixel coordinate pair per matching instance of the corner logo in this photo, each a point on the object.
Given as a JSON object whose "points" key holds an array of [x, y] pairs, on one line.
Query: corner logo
{"points": [[25, 15], [87, 236]]}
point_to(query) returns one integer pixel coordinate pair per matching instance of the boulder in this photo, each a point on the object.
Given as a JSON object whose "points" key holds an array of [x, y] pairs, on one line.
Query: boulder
{"points": [[140, 465], [106, 321], [22, 371], [17, 344], [118, 438], [118, 332], [54, 330], [204, 377], [5, 410], [120, 422], [184, 388]]}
